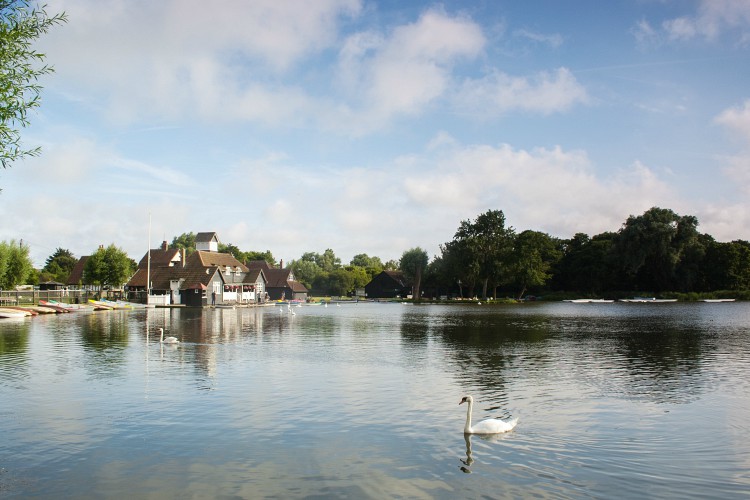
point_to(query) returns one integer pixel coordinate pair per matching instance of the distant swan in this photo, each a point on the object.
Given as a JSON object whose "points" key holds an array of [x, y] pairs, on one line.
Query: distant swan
{"points": [[168, 340], [489, 426]]}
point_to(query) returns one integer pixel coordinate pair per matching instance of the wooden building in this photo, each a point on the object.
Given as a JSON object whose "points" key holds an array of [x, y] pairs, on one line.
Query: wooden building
{"points": [[388, 285]]}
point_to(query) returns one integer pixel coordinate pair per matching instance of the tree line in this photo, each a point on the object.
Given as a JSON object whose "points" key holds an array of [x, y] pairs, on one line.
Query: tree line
{"points": [[659, 251]]}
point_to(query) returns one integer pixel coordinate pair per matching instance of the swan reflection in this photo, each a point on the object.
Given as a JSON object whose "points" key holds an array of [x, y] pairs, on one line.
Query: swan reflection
{"points": [[489, 438], [467, 463]]}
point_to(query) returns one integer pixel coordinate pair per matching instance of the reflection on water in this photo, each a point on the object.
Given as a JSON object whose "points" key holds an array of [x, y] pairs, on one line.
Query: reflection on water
{"points": [[361, 401]]}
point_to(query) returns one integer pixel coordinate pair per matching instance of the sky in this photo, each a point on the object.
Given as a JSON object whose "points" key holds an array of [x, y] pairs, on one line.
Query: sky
{"points": [[378, 126]]}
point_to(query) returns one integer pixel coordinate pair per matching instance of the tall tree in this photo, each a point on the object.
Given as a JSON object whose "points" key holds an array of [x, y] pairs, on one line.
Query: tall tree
{"points": [[15, 264], [534, 253], [650, 247], [486, 245], [726, 266], [109, 266], [305, 270], [587, 264], [60, 264], [21, 24], [373, 265], [413, 263], [328, 261]]}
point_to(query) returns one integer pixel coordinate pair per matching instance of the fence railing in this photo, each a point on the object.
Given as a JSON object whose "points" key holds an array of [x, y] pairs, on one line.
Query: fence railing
{"points": [[27, 297]]}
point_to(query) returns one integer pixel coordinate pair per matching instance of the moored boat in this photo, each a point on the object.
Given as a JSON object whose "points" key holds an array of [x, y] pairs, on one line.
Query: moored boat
{"points": [[11, 313], [54, 307]]}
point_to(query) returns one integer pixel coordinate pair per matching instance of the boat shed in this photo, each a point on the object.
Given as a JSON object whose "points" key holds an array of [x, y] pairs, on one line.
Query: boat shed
{"points": [[388, 285]]}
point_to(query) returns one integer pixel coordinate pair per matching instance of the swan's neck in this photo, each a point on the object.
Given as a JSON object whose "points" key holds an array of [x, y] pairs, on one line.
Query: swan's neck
{"points": [[467, 427], [162, 336]]}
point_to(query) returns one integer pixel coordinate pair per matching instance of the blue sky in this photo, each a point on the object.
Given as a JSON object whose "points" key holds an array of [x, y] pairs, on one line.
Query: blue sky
{"points": [[374, 127]]}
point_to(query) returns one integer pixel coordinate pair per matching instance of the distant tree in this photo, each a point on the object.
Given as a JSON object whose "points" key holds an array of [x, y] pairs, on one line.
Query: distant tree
{"points": [[485, 245], [185, 241], [267, 256], [305, 270], [59, 265], [457, 267], [365, 261], [650, 247], [340, 282], [587, 264], [109, 266], [373, 265], [413, 264], [726, 266], [21, 24], [15, 264], [391, 265], [359, 275], [533, 255], [328, 261]]}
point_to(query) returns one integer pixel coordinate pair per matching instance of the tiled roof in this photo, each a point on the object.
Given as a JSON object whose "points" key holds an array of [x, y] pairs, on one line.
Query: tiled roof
{"points": [[206, 259], [277, 278], [198, 271], [76, 274], [160, 257], [258, 264]]}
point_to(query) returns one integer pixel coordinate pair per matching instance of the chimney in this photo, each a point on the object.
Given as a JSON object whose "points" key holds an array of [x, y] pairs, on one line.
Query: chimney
{"points": [[281, 264], [183, 252], [164, 245]]}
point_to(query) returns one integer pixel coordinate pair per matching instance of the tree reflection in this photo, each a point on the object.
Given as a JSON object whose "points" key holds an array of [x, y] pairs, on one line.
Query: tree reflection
{"points": [[104, 338], [14, 338], [657, 357], [103, 331]]}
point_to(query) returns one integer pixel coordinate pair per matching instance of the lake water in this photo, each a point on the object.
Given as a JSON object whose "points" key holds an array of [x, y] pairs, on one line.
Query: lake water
{"points": [[361, 401]]}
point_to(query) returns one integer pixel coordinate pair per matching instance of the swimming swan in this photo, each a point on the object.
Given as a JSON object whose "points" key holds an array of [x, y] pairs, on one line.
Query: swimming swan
{"points": [[168, 340], [488, 426]]}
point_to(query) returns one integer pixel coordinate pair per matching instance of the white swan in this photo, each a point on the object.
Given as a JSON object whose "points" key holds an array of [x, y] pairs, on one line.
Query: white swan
{"points": [[168, 340], [488, 426]]}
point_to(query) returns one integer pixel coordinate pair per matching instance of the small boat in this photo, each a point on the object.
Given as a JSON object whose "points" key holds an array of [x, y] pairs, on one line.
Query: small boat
{"points": [[11, 313], [100, 306], [717, 300], [648, 300], [54, 307], [28, 310], [72, 307], [589, 301]]}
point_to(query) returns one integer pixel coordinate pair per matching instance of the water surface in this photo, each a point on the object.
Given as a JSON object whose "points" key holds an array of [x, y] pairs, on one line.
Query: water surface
{"points": [[361, 401]]}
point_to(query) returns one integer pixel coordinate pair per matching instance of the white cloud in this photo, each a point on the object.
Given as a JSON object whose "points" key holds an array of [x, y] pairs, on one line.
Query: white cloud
{"points": [[553, 40], [713, 19], [386, 76], [181, 59], [544, 189], [645, 34], [737, 119], [723, 220], [499, 93]]}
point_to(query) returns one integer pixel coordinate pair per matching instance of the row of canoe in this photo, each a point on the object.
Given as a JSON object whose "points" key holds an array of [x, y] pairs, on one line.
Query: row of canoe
{"points": [[54, 307]]}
